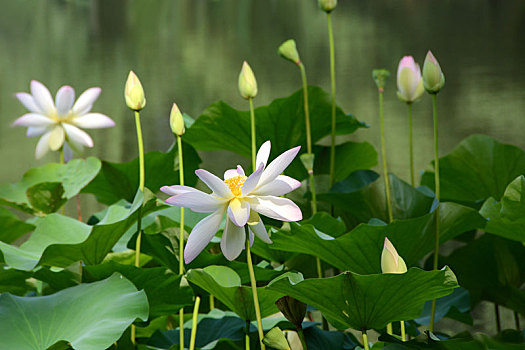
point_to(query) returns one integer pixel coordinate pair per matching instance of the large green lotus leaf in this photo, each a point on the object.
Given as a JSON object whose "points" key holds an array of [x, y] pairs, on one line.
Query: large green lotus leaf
{"points": [[478, 168], [60, 241], [506, 218], [225, 284], [162, 287], [12, 227], [362, 302], [73, 176], [360, 249], [491, 268], [14, 281], [89, 316], [118, 181]]}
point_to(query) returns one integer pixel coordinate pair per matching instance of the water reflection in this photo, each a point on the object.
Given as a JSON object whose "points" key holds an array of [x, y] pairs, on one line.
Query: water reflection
{"points": [[191, 52]]}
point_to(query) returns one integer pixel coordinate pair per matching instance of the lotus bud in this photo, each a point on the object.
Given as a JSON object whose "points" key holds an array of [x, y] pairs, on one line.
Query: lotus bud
{"points": [[176, 121], [380, 77], [276, 339], [247, 82], [288, 50], [391, 262], [292, 309], [409, 81], [327, 5], [433, 78], [134, 93]]}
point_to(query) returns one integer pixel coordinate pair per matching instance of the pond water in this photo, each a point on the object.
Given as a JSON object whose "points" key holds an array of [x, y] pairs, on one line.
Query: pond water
{"points": [[191, 52]]}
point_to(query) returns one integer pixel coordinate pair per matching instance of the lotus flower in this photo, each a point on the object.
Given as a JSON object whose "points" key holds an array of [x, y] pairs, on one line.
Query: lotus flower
{"points": [[58, 122], [409, 80], [243, 198], [391, 262]]}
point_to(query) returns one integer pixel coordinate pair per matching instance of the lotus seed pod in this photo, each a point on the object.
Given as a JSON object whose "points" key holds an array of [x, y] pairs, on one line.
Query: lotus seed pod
{"points": [[288, 50], [327, 5], [380, 77]]}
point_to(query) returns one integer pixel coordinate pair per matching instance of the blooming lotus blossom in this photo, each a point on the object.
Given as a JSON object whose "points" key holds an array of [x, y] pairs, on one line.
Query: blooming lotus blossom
{"points": [[391, 262], [409, 80], [58, 122], [243, 198]]}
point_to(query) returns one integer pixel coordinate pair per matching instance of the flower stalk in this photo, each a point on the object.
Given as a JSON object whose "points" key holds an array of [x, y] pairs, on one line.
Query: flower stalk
{"points": [[252, 131], [365, 340], [411, 146], [193, 323], [332, 80], [181, 241], [141, 185]]}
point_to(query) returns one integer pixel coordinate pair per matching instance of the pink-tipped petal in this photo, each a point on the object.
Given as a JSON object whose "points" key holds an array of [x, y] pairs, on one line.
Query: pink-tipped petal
{"points": [[276, 208], [277, 166], [36, 131], [85, 101], [240, 170], [263, 153], [252, 181], [202, 234], [178, 189], [233, 240], [78, 136], [239, 211], [64, 100], [199, 202], [228, 174], [33, 119], [94, 121], [214, 183], [29, 102], [42, 97], [42, 147], [280, 186], [260, 232]]}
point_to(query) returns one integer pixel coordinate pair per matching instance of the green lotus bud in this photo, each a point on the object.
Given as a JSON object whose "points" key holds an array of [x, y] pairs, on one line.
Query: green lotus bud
{"points": [[288, 50], [292, 309], [308, 162], [391, 262], [327, 5], [380, 77], [134, 93], [276, 339], [176, 121], [247, 82], [433, 77]]}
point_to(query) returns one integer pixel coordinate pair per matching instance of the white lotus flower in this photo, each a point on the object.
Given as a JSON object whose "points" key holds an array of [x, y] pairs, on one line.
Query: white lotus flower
{"points": [[244, 198], [58, 122]]}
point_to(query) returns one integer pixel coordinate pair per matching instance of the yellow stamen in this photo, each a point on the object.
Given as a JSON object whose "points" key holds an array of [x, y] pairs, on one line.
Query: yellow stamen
{"points": [[235, 184]]}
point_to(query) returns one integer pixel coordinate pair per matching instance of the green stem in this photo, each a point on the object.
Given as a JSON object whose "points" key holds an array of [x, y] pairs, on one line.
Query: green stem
{"points": [[181, 239], [403, 337], [254, 289], [61, 155], [410, 137], [498, 318], [365, 340], [383, 155], [247, 335], [436, 180], [332, 79], [517, 320], [301, 337], [306, 109], [252, 125], [194, 322], [389, 329], [212, 302]]}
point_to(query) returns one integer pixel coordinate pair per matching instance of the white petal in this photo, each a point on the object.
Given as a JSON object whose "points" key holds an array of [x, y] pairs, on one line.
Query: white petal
{"points": [[276, 208], [36, 131], [75, 146], [233, 240], [240, 170], [85, 101], [252, 181], [214, 183], [263, 153], [57, 138], [42, 97], [178, 189], [94, 121], [33, 119], [68, 152], [76, 135], [278, 165], [260, 231], [28, 101], [239, 211], [64, 100], [228, 174], [43, 145], [281, 185], [198, 201], [202, 234]]}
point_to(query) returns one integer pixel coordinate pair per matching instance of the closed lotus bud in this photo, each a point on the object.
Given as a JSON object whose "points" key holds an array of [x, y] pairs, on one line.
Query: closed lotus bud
{"points": [[327, 5], [433, 77], [247, 82], [391, 262], [380, 77], [176, 121], [134, 93], [409, 81], [292, 309], [288, 50], [276, 339]]}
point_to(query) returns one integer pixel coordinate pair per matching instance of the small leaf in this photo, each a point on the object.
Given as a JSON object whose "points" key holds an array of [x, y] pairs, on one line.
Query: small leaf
{"points": [[46, 197]]}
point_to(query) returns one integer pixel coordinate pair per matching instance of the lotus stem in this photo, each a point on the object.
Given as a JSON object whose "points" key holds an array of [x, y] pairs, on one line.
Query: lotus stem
{"points": [[247, 335], [383, 156], [411, 142], [254, 289], [498, 318], [436, 180], [403, 336], [194, 323], [517, 320], [365, 340], [212, 302], [332, 80], [301, 337], [389, 329], [252, 125], [61, 161], [181, 239]]}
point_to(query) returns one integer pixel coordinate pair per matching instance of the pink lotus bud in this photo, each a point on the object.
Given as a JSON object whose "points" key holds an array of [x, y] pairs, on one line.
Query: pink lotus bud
{"points": [[391, 262], [409, 80]]}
